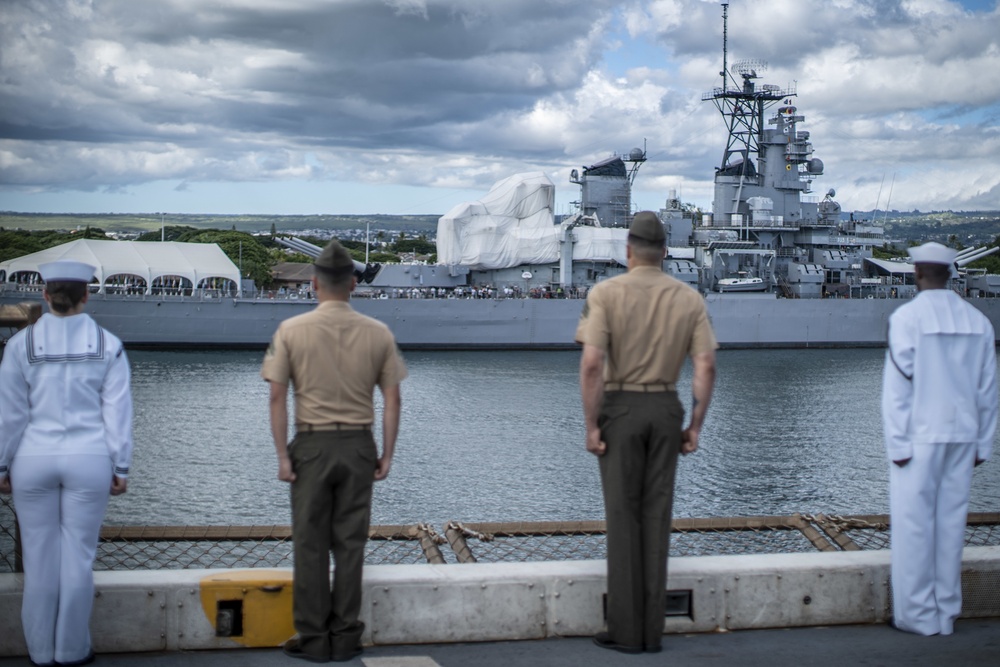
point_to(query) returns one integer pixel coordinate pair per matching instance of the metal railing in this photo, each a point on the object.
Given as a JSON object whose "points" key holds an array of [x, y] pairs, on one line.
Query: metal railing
{"points": [[184, 547]]}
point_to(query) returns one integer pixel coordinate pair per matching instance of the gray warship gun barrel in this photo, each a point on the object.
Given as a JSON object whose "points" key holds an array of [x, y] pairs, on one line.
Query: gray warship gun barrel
{"points": [[364, 272], [978, 254], [962, 254]]}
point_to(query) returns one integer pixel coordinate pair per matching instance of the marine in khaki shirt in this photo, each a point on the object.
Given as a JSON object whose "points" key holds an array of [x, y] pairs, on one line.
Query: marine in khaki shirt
{"points": [[334, 358], [636, 330], [654, 320]]}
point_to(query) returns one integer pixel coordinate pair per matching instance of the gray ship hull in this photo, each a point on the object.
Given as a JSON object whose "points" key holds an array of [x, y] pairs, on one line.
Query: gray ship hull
{"points": [[740, 321]]}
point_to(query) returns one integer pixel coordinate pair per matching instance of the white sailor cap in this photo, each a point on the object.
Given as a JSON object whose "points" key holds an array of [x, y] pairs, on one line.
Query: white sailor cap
{"points": [[933, 253], [67, 270]]}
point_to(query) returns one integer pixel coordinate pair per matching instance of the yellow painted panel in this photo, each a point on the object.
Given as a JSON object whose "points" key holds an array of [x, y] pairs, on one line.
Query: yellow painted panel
{"points": [[267, 603]]}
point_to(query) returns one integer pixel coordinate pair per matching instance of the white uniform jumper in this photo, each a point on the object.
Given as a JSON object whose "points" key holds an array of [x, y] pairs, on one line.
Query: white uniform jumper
{"points": [[939, 409], [66, 413]]}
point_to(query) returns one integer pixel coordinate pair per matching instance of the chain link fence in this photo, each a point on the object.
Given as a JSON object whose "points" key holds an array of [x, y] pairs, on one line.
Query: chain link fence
{"points": [[199, 547], [10, 552]]}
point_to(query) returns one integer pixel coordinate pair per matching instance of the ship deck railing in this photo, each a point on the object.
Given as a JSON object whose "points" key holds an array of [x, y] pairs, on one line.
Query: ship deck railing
{"points": [[230, 546], [33, 293]]}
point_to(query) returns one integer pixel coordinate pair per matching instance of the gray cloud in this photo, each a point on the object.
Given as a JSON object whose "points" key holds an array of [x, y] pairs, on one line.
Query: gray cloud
{"points": [[98, 95]]}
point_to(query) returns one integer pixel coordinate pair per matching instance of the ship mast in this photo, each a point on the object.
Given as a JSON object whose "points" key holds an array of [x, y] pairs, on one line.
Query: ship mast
{"points": [[725, 42], [742, 107]]}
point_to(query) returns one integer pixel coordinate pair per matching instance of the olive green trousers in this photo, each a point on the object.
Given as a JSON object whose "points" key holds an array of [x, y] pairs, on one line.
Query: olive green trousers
{"points": [[331, 510], [643, 436]]}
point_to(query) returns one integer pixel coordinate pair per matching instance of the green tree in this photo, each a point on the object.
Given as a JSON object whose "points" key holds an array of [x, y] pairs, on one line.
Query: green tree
{"points": [[887, 252], [17, 244], [374, 257], [245, 250], [279, 255], [169, 233], [991, 262], [95, 233], [352, 245], [421, 247]]}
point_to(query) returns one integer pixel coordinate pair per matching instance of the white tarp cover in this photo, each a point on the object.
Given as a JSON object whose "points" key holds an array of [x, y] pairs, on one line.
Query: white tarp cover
{"points": [[194, 261], [600, 244], [514, 224]]}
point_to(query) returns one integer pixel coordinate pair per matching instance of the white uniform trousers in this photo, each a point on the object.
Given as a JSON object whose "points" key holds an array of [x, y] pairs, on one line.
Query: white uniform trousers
{"points": [[60, 503], [929, 502]]}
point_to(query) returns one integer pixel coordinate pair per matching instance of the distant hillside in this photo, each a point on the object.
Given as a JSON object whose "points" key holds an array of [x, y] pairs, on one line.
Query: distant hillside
{"points": [[145, 222], [967, 227]]}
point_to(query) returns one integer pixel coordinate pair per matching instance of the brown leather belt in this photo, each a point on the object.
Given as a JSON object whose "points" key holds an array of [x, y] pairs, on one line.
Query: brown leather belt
{"points": [[641, 388], [336, 426]]}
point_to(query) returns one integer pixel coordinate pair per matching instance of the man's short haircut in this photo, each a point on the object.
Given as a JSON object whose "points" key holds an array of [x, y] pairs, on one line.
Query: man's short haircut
{"points": [[333, 280], [936, 273], [65, 295], [646, 251]]}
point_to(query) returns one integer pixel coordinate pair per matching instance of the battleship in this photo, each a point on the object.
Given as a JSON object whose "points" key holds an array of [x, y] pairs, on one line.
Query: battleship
{"points": [[778, 266]]}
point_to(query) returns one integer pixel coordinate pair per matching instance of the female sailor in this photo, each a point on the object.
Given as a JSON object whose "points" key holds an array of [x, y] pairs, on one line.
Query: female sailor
{"points": [[65, 443]]}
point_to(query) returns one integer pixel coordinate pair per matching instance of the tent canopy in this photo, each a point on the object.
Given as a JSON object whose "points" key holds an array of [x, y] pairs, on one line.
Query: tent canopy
{"points": [[192, 261]]}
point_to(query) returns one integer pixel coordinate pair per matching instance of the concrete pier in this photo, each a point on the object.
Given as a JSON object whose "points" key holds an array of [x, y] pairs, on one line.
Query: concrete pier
{"points": [[184, 610]]}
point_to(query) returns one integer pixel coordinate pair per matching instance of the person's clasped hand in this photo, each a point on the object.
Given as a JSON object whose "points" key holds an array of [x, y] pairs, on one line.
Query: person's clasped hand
{"points": [[119, 485]]}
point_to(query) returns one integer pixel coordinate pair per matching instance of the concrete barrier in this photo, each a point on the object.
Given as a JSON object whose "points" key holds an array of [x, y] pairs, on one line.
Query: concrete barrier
{"points": [[411, 604]]}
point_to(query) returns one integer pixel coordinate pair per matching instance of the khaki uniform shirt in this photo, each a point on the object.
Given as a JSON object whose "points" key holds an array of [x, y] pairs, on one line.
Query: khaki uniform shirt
{"points": [[646, 322], [334, 357]]}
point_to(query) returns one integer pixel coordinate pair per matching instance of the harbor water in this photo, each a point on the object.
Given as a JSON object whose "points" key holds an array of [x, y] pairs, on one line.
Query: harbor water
{"points": [[498, 436]]}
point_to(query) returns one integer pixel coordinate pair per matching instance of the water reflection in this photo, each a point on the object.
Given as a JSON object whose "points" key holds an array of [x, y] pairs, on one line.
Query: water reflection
{"points": [[494, 436]]}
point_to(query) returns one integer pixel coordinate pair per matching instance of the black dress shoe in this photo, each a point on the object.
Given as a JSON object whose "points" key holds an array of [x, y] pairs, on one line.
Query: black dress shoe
{"points": [[652, 648], [292, 649], [52, 663], [604, 640], [76, 663]]}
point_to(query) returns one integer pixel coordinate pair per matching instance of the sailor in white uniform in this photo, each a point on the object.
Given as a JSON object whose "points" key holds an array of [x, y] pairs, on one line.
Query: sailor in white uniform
{"points": [[65, 443], [939, 415]]}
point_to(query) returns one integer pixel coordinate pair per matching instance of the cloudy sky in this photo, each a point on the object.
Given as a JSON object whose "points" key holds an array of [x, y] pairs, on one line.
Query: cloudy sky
{"points": [[411, 106]]}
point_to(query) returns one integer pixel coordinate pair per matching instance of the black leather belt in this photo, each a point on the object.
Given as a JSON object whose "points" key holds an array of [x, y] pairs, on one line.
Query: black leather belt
{"points": [[656, 388], [335, 426]]}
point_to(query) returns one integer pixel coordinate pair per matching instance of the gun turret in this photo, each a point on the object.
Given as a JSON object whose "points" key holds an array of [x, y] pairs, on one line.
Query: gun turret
{"points": [[979, 254], [365, 273]]}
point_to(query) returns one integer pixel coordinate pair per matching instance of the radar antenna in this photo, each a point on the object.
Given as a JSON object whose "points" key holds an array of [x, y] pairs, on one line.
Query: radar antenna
{"points": [[750, 68], [742, 107], [636, 156]]}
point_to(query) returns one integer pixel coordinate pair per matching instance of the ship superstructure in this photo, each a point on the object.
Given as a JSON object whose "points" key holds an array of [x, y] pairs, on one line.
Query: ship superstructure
{"points": [[606, 188], [509, 240], [766, 223]]}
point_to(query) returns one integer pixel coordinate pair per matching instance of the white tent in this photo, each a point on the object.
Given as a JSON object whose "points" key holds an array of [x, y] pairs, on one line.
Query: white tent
{"points": [[194, 262]]}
